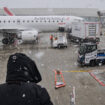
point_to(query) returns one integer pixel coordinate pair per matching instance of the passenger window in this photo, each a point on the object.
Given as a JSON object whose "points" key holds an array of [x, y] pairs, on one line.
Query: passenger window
{"points": [[27, 21], [18, 21], [8, 21], [14, 21], [4, 21]]}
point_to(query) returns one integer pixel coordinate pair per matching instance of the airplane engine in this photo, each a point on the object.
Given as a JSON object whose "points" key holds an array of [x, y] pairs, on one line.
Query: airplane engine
{"points": [[29, 35]]}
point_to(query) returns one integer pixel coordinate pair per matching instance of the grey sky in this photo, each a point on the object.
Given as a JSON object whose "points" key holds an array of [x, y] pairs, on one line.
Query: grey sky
{"points": [[100, 4]]}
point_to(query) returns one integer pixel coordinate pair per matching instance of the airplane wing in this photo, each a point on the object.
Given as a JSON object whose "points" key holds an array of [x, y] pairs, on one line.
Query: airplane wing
{"points": [[17, 30], [8, 12], [14, 28]]}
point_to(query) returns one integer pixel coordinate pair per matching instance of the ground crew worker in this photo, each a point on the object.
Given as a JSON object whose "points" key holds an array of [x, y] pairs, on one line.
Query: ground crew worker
{"points": [[51, 40], [20, 87]]}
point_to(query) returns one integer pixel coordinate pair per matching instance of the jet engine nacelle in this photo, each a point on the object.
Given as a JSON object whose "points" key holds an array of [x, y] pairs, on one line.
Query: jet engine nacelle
{"points": [[29, 35]]}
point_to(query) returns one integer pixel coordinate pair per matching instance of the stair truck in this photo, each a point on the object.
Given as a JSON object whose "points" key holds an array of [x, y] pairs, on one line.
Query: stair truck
{"points": [[84, 32], [88, 54]]}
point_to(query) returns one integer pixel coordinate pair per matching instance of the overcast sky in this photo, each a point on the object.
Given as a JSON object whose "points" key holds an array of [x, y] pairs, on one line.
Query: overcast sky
{"points": [[100, 4]]}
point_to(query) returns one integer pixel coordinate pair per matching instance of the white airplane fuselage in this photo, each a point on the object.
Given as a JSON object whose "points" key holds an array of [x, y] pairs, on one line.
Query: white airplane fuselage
{"points": [[38, 23]]}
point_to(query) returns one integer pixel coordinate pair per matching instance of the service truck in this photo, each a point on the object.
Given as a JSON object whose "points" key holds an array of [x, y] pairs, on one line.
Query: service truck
{"points": [[84, 32], [89, 54], [60, 40]]}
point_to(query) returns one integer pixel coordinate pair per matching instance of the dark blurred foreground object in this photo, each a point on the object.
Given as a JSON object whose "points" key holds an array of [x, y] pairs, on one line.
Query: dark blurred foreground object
{"points": [[20, 87]]}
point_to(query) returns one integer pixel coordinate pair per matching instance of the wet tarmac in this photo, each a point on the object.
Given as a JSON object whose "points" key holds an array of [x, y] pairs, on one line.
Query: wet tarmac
{"points": [[87, 90]]}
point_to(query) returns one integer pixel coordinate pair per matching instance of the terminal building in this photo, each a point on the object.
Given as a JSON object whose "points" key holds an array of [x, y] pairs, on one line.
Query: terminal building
{"points": [[90, 14]]}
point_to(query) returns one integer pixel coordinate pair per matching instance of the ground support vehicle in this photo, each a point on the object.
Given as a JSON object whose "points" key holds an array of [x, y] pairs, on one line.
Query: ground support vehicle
{"points": [[59, 40], [89, 54], [84, 32]]}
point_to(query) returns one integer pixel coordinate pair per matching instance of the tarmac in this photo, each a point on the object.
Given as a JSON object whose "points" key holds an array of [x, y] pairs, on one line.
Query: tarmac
{"points": [[87, 90]]}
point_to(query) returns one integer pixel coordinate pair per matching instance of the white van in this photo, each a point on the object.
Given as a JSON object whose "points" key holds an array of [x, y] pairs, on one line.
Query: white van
{"points": [[60, 41]]}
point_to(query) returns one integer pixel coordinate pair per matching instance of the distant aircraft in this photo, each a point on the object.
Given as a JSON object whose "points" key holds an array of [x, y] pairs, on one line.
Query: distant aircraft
{"points": [[29, 26], [8, 12]]}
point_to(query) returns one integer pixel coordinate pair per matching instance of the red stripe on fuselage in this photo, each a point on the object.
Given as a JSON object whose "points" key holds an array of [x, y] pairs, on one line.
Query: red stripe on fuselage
{"points": [[61, 23]]}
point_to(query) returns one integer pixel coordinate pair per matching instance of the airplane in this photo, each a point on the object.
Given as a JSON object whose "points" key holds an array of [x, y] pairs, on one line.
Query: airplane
{"points": [[28, 27]]}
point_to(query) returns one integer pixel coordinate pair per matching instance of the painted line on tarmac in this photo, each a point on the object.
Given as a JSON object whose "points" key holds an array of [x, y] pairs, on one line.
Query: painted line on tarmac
{"points": [[78, 71], [101, 82], [84, 71]]}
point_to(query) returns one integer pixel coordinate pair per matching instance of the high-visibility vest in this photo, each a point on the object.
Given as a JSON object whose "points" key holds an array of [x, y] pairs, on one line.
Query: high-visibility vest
{"points": [[51, 37]]}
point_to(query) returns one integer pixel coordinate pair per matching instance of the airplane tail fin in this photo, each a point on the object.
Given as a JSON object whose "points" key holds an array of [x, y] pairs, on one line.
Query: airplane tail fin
{"points": [[8, 12]]}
